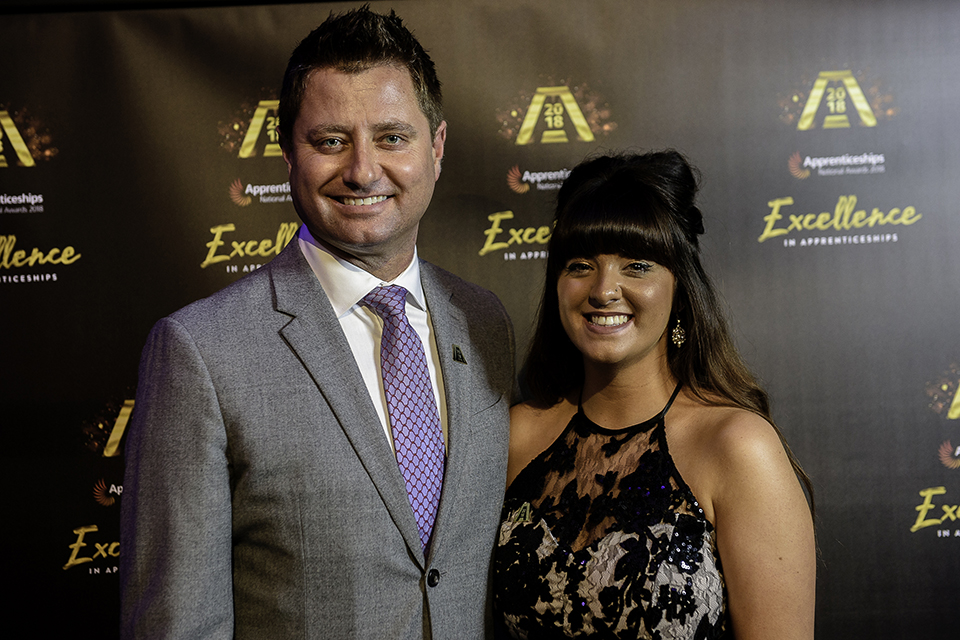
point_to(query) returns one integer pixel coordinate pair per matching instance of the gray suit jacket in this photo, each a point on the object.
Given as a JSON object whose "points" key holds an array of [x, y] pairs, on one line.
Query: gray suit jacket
{"points": [[261, 498]]}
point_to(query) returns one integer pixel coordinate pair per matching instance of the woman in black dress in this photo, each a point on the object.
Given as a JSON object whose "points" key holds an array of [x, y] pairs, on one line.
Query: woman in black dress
{"points": [[649, 493]]}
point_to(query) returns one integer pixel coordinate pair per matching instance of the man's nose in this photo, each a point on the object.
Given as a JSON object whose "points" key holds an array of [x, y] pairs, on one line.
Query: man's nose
{"points": [[362, 169]]}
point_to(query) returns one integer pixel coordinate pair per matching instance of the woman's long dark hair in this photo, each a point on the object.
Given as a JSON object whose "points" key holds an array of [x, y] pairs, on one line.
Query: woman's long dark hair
{"points": [[642, 206]]}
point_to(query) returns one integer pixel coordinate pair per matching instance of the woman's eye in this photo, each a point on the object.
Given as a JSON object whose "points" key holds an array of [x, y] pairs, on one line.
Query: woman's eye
{"points": [[639, 267], [577, 267]]}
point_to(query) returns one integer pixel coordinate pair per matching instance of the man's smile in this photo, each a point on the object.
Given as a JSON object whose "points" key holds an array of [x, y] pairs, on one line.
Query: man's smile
{"points": [[356, 202]]}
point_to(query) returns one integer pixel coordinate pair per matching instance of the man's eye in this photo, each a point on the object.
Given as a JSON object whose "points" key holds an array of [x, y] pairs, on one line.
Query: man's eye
{"points": [[330, 143], [393, 139]]}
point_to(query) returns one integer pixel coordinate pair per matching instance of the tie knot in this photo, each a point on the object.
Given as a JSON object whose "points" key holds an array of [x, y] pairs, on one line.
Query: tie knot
{"points": [[387, 301]]}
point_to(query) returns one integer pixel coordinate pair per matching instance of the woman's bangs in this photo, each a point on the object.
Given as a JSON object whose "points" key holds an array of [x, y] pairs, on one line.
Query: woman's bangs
{"points": [[633, 230]]}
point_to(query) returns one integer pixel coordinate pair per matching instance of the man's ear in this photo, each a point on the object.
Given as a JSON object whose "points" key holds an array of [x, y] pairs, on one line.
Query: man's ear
{"points": [[438, 141], [284, 149]]}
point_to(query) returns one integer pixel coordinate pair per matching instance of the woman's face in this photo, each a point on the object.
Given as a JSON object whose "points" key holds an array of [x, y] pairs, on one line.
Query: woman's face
{"points": [[616, 309]]}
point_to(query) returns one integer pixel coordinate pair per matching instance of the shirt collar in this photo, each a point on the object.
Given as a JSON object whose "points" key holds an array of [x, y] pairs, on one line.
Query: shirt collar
{"points": [[346, 284]]}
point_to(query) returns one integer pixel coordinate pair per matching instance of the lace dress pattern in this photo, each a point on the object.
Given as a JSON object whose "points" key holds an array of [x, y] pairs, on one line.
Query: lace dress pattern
{"points": [[601, 537]]}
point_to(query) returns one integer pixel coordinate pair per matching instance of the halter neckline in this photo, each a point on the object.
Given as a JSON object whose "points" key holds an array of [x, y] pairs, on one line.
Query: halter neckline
{"points": [[639, 426]]}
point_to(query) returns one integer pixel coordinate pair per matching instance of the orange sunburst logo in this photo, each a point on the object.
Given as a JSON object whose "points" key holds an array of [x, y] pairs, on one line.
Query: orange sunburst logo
{"points": [[237, 194], [950, 456], [101, 495], [796, 167], [515, 180]]}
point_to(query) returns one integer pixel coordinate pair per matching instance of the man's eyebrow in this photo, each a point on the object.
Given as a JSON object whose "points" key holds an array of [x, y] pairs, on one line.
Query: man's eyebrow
{"points": [[396, 126], [325, 129], [388, 126]]}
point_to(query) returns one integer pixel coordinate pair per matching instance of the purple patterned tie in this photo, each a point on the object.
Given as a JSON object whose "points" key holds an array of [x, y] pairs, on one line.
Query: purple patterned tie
{"points": [[414, 419]]}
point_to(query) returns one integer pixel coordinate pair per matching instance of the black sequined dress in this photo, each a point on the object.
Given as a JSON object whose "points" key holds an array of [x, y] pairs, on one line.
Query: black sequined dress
{"points": [[601, 537]]}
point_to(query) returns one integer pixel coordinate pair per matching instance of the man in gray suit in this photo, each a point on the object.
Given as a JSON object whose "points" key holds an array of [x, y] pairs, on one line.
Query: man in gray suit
{"points": [[263, 496]]}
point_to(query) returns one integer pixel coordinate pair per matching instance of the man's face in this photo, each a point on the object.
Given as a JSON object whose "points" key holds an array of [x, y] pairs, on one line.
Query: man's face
{"points": [[363, 164]]}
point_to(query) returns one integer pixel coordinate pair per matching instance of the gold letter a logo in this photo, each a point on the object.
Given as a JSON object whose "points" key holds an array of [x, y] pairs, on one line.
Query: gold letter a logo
{"points": [[553, 116], [16, 141], [249, 147], [836, 98]]}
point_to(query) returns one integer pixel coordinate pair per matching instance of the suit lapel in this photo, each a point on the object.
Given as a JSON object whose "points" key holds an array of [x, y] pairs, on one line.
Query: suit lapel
{"points": [[315, 336], [450, 329]]}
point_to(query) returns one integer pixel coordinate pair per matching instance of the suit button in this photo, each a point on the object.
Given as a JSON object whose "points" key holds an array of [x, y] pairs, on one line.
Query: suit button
{"points": [[433, 578]]}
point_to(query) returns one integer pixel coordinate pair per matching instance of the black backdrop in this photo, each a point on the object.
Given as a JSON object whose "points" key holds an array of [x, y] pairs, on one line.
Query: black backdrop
{"points": [[124, 163]]}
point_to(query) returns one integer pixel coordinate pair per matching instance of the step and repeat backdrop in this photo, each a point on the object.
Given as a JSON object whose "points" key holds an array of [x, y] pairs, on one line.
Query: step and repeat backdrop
{"points": [[140, 170]]}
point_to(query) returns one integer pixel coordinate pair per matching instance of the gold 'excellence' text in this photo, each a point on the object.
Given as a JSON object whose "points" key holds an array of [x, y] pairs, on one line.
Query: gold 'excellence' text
{"points": [[948, 512], [527, 235], [843, 218], [13, 259], [264, 248], [105, 550]]}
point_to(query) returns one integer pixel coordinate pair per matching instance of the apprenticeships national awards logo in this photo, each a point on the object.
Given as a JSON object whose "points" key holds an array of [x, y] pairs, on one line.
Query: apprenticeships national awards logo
{"points": [[237, 194], [844, 164], [836, 100], [515, 180], [252, 130], [949, 455], [104, 494], [520, 181], [556, 112], [242, 195], [797, 169], [24, 138]]}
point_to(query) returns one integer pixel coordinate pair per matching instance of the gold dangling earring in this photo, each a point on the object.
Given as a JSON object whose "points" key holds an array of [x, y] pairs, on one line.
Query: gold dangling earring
{"points": [[678, 335]]}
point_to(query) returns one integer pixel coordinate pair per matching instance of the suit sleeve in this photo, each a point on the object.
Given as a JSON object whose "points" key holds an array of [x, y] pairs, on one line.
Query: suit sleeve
{"points": [[176, 572]]}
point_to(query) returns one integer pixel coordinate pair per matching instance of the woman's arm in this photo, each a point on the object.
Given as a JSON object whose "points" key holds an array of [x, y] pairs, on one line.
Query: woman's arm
{"points": [[764, 532]]}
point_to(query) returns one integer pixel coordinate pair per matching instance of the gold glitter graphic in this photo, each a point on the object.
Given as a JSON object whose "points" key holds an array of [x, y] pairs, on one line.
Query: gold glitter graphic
{"points": [[24, 136], [944, 399]]}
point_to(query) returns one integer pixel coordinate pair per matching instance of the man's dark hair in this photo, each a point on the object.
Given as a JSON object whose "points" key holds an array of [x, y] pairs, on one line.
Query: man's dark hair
{"points": [[353, 42]]}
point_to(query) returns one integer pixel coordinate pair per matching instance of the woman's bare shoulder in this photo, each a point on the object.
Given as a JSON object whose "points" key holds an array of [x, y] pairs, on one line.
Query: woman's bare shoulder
{"points": [[718, 448], [533, 428], [741, 440], [721, 430], [743, 462]]}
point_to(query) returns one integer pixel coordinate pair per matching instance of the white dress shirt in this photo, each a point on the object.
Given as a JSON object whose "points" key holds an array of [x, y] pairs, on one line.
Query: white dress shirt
{"points": [[346, 285]]}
